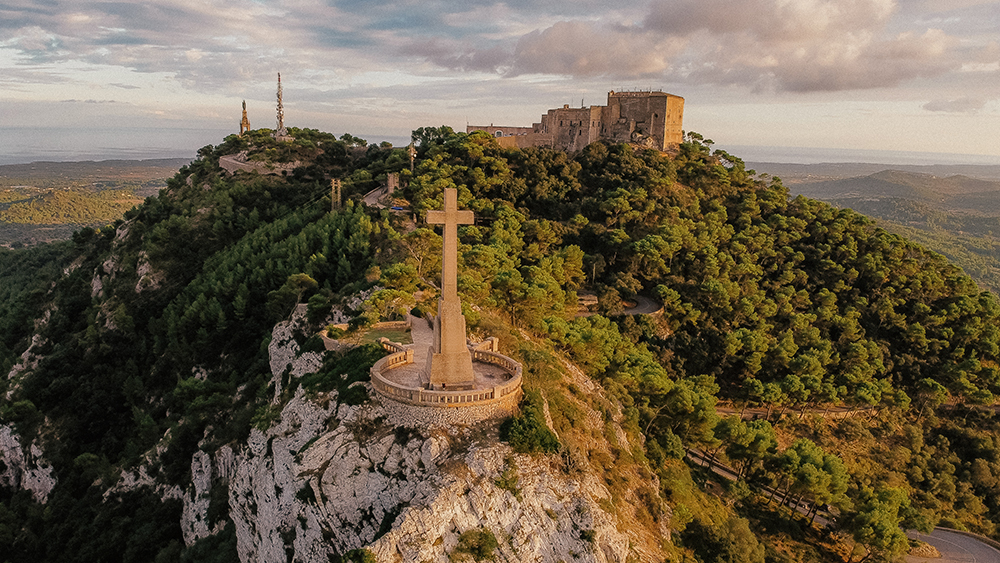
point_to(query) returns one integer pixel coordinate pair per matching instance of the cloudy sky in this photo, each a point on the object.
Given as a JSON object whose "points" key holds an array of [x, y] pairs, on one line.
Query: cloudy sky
{"points": [[904, 75]]}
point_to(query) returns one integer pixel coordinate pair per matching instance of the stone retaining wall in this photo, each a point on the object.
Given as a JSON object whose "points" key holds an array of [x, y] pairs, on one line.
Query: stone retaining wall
{"points": [[444, 399], [422, 416], [233, 163]]}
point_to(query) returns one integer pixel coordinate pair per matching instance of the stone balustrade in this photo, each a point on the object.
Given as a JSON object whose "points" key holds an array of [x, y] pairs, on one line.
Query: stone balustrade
{"points": [[434, 398], [394, 347]]}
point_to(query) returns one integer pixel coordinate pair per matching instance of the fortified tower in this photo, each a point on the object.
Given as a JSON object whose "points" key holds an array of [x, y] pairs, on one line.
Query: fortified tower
{"points": [[634, 116]]}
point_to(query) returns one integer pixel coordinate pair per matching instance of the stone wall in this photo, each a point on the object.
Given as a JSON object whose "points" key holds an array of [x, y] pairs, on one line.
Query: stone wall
{"points": [[431, 407], [233, 163], [445, 399], [500, 131], [648, 119], [422, 416]]}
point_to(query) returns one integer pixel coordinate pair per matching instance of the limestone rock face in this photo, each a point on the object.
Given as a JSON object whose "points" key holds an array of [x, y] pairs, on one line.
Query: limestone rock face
{"points": [[29, 359], [331, 477], [149, 278], [284, 354], [328, 479], [24, 468]]}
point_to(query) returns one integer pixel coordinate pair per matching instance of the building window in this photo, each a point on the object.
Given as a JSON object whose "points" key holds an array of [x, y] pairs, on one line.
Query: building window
{"points": [[498, 134]]}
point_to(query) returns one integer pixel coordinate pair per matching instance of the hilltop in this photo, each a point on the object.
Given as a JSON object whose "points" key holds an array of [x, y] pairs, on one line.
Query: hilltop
{"points": [[181, 385]]}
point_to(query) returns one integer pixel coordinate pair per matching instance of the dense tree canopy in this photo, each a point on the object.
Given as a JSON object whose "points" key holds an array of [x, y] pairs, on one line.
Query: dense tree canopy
{"points": [[767, 301]]}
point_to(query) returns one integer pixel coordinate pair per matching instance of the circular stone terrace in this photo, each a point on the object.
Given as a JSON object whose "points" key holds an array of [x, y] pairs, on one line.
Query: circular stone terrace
{"points": [[401, 376]]}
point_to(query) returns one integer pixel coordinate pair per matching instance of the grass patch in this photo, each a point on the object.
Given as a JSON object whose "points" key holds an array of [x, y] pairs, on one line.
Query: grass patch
{"points": [[508, 480], [340, 371], [398, 335]]}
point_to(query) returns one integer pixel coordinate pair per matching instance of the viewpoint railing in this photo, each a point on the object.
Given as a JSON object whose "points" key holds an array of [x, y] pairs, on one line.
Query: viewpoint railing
{"points": [[426, 397]]}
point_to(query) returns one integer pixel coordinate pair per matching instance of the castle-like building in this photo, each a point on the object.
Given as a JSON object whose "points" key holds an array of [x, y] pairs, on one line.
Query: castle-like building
{"points": [[652, 119]]}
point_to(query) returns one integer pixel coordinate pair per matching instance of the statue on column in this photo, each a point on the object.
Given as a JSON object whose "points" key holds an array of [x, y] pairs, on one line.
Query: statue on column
{"points": [[245, 123]]}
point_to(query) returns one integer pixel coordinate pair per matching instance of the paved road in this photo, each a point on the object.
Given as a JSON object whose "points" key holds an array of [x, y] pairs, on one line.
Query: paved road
{"points": [[730, 474], [954, 548], [643, 306], [371, 198], [826, 412]]}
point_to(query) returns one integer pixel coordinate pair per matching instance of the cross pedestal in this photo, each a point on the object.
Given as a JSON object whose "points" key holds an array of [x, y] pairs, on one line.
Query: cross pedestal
{"points": [[449, 364]]}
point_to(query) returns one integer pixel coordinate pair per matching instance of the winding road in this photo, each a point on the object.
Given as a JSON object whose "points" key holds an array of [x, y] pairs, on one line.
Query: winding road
{"points": [[954, 548]]}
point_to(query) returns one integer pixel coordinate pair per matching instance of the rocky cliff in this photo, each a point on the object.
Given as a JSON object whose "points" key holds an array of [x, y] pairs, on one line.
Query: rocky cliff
{"points": [[330, 477]]}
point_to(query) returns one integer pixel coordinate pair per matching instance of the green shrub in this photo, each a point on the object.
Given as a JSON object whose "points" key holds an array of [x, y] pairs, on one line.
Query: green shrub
{"points": [[479, 543], [728, 542], [318, 307], [356, 556], [314, 344], [527, 432], [265, 416], [340, 371], [508, 481]]}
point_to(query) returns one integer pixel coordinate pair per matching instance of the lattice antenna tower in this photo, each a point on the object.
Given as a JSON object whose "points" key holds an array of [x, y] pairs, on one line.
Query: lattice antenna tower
{"points": [[281, 131]]}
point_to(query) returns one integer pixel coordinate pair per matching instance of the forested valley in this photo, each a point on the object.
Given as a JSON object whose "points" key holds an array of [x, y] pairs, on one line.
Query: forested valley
{"points": [[955, 215], [145, 341]]}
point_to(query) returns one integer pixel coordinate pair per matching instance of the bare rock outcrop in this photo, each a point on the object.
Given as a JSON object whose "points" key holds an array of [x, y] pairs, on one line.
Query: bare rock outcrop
{"points": [[336, 478], [24, 467], [329, 477]]}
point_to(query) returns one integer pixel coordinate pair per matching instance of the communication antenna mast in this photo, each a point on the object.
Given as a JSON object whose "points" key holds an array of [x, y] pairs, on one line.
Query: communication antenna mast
{"points": [[280, 131]]}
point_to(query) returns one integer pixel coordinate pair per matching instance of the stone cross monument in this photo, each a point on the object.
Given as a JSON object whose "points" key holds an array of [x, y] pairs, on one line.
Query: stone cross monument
{"points": [[450, 362]]}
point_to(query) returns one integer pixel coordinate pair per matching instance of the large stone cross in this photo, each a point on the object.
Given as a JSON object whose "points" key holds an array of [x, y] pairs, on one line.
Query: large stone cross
{"points": [[450, 363], [451, 217]]}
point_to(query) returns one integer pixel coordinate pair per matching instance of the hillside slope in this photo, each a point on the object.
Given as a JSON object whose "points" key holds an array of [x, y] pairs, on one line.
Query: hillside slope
{"points": [[957, 216], [168, 396]]}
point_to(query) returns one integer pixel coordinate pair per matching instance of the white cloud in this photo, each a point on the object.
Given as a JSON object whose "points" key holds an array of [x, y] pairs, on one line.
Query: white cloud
{"points": [[795, 45], [589, 49], [483, 58]]}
